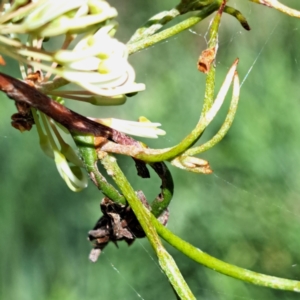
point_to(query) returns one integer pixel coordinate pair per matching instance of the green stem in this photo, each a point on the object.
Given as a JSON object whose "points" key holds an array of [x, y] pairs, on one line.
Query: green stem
{"points": [[167, 33], [144, 217], [85, 144], [210, 79], [209, 90], [223, 267], [153, 25], [225, 126]]}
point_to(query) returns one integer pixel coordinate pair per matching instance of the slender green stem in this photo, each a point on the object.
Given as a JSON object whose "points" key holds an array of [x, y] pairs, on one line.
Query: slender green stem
{"points": [[144, 217], [225, 126], [153, 25], [209, 90], [167, 33], [189, 163], [85, 144], [210, 79], [223, 267]]}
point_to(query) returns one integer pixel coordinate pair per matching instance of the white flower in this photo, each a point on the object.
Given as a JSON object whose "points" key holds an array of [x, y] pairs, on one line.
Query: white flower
{"points": [[143, 128], [99, 64]]}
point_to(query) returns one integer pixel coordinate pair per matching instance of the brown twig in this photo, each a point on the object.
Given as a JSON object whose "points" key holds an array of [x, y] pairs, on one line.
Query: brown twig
{"points": [[74, 122]]}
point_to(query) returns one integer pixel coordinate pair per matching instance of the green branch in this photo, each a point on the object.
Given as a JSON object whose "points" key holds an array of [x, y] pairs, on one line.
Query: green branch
{"points": [[153, 25], [85, 144], [225, 126], [154, 155], [144, 217], [222, 267], [209, 111], [167, 33], [88, 152]]}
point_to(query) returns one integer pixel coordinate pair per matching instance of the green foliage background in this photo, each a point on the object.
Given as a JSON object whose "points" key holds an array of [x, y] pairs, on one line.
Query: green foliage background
{"points": [[246, 213]]}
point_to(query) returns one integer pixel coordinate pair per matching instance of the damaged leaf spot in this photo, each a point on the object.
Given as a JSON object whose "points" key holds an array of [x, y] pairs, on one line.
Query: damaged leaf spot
{"points": [[206, 59]]}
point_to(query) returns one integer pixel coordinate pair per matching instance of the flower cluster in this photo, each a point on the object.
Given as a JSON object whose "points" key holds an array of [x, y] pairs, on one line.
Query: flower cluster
{"points": [[99, 64], [90, 57], [48, 18]]}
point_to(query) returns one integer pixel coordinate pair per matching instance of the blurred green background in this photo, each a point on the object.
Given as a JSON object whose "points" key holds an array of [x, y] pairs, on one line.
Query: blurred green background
{"points": [[247, 213]]}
